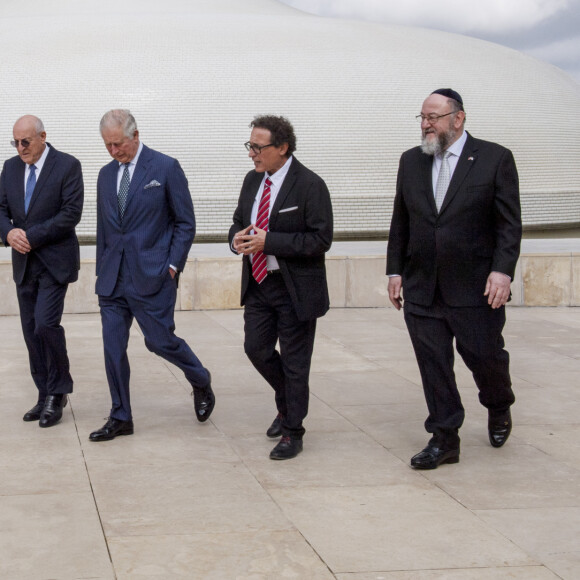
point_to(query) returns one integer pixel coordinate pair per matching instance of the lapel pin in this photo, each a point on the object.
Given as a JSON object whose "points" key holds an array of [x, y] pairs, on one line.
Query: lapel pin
{"points": [[470, 159]]}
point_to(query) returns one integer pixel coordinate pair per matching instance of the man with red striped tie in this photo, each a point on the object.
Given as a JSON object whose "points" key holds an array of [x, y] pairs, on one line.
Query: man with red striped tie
{"points": [[283, 228]]}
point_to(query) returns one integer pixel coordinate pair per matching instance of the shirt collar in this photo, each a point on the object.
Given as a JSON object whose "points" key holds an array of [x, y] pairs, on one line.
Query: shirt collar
{"points": [[278, 177], [457, 147], [41, 161]]}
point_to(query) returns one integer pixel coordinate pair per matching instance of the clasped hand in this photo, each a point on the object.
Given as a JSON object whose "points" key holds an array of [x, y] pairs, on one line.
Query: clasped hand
{"points": [[17, 239], [246, 243]]}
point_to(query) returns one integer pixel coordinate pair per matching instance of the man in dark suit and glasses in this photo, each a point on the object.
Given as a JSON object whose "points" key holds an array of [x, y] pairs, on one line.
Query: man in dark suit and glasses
{"points": [[453, 247], [283, 227], [145, 228], [41, 201]]}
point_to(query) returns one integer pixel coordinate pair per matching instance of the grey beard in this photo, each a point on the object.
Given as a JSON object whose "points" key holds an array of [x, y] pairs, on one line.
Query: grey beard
{"points": [[430, 147], [439, 145]]}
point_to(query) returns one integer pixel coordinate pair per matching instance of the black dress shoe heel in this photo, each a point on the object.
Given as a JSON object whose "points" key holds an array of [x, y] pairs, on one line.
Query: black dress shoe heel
{"points": [[111, 429], [52, 411], [432, 457], [275, 429]]}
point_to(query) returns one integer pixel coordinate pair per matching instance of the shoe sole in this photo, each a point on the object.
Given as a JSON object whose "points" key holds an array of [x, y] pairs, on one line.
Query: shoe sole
{"points": [[112, 437], [436, 465]]}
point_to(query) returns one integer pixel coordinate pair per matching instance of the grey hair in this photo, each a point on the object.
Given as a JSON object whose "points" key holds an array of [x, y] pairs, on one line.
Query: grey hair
{"points": [[119, 118]]}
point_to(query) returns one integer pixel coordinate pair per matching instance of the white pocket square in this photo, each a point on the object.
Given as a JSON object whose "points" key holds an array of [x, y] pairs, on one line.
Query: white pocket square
{"points": [[153, 183], [288, 209]]}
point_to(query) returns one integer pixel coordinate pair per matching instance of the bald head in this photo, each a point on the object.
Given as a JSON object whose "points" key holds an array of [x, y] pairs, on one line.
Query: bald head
{"points": [[29, 138]]}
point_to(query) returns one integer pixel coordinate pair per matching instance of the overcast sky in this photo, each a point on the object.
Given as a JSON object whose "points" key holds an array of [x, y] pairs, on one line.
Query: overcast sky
{"points": [[546, 29]]}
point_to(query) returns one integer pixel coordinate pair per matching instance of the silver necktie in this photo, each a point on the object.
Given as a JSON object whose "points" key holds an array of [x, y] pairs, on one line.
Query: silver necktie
{"points": [[443, 180]]}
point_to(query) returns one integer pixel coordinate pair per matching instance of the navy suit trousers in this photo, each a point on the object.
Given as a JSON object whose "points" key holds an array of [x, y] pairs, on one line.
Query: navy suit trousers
{"points": [[41, 303], [155, 316]]}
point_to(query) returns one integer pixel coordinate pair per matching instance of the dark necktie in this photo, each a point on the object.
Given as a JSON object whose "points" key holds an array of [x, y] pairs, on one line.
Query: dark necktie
{"points": [[30, 183], [123, 191], [259, 270]]}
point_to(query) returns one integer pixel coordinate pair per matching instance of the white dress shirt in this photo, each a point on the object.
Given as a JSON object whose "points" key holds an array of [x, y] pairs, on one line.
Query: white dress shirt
{"points": [[277, 180], [39, 165], [455, 149]]}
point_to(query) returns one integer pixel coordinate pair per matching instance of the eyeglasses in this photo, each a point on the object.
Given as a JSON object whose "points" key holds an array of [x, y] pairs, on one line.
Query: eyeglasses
{"points": [[432, 119], [23, 142], [257, 149]]}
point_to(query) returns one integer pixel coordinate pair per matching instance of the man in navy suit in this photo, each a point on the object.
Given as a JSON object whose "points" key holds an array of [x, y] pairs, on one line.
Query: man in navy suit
{"points": [[41, 201], [145, 228], [284, 288], [453, 247]]}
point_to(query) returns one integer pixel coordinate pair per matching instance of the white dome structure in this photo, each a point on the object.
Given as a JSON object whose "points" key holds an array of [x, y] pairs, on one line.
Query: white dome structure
{"points": [[195, 72]]}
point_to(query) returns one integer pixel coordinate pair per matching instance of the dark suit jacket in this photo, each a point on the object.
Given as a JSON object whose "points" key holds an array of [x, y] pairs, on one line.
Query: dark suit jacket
{"points": [[477, 231], [54, 211], [299, 234], [158, 225]]}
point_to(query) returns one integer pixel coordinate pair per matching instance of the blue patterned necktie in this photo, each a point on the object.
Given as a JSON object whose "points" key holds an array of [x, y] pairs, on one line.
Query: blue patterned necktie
{"points": [[123, 191], [30, 183]]}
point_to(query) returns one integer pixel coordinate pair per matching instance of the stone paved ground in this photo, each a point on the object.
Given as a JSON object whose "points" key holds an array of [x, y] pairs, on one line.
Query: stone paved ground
{"points": [[180, 499]]}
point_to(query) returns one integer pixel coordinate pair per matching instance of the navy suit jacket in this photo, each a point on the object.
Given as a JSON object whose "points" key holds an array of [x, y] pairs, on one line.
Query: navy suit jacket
{"points": [[299, 234], [478, 229], [54, 211], [158, 225]]}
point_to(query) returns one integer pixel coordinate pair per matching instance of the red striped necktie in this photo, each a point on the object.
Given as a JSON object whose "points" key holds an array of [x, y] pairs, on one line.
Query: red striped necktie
{"points": [[259, 270]]}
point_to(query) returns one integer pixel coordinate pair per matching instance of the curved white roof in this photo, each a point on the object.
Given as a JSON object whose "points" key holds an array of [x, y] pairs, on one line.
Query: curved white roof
{"points": [[195, 72]]}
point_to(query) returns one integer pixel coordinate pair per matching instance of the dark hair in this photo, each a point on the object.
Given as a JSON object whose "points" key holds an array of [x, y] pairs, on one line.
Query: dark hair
{"points": [[280, 128]]}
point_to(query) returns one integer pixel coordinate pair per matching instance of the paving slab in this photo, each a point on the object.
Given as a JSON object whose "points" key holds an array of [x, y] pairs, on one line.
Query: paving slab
{"points": [[181, 499]]}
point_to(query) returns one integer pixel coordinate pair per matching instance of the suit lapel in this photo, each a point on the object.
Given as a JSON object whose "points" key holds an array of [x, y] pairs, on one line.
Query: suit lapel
{"points": [[466, 161], [139, 175], [426, 177], [287, 185], [250, 196], [110, 190]]}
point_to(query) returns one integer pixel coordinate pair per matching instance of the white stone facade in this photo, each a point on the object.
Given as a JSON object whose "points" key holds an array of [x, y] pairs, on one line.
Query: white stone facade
{"points": [[195, 72]]}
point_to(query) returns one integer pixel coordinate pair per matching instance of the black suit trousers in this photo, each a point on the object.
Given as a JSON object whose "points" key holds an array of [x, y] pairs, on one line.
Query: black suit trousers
{"points": [[41, 304], [269, 317], [478, 337]]}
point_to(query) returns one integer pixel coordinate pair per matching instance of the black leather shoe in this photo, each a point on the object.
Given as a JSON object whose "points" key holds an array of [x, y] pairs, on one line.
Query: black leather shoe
{"points": [[111, 429], [52, 411], [499, 429], [287, 448], [203, 401], [34, 413], [275, 429], [432, 457]]}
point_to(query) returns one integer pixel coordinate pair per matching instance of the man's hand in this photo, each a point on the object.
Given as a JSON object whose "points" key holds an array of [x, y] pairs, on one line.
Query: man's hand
{"points": [[395, 285], [172, 273], [246, 243], [18, 240], [497, 289]]}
